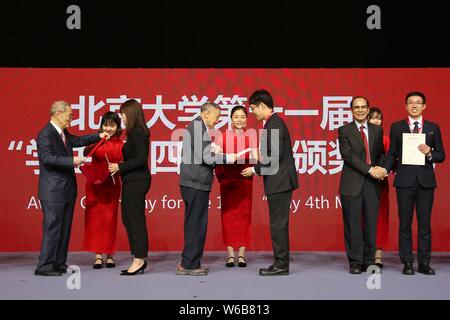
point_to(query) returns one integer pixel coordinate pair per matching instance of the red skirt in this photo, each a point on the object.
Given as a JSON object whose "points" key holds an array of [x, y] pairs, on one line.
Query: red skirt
{"points": [[236, 203], [102, 203]]}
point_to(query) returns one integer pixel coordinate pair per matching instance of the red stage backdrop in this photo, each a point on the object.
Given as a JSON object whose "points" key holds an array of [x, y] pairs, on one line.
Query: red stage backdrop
{"points": [[314, 102]]}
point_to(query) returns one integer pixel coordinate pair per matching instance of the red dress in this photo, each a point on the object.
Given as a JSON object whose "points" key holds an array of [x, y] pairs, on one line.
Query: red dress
{"points": [[236, 191], [383, 213], [102, 202]]}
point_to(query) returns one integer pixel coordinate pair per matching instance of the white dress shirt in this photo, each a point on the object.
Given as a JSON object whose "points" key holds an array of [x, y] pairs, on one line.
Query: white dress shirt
{"points": [[411, 123]]}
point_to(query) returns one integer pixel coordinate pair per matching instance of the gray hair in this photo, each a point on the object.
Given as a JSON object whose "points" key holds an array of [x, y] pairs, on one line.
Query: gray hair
{"points": [[208, 106], [59, 105]]}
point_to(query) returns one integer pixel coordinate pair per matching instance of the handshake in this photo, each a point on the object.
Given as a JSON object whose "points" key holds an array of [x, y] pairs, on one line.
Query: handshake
{"points": [[378, 173]]}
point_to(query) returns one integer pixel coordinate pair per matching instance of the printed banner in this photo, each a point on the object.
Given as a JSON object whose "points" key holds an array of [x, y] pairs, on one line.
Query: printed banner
{"points": [[313, 102]]}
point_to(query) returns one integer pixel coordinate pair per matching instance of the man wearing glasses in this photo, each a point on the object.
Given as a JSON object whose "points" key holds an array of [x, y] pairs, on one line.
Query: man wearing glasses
{"points": [[415, 183], [277, 167], [58, 186]]}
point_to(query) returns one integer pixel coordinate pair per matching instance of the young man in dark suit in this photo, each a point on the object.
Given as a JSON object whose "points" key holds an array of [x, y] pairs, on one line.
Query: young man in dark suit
{"points": [[415, 184], [277, 166], [58, 186], [361, 148]]}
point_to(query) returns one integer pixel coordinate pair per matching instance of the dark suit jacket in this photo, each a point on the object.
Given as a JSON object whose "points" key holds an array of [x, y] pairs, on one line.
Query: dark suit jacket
{"points": [[406, 175], [135, 157], [56, 171], [197, 160], [276, 147], [353, 152]]}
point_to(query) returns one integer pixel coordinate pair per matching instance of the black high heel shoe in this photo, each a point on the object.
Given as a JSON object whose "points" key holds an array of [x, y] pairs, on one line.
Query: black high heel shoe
{"points": [[242, 264], [140, 270]]}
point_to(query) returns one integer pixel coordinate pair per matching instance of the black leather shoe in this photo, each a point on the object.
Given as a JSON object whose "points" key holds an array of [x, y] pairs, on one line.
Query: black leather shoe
{"points": [[408, 269], [50, 273], [110, 263], [355, 270], [425, 268], [62, 268], [273, 271], [243, 262], [97, 265], [230, 262]]}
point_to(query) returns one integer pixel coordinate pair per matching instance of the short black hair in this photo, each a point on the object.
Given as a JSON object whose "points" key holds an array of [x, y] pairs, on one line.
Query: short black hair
{"points": [[114, 117], [263, 96], [236, 108], [415, 93], [359, 97]]}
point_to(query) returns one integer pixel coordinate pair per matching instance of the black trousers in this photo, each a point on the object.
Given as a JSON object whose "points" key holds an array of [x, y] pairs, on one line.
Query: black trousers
{"points": [[360, 224], [56, 228], [133, 216], [279, 206], [422, 199], [196, 204]]}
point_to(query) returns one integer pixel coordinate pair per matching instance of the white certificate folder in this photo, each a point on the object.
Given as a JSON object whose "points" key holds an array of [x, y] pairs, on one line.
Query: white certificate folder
{"points": [[411, 154]]}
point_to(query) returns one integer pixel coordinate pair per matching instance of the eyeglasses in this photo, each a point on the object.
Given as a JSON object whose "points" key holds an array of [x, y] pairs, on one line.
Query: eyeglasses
{"points": [[411, 103]]}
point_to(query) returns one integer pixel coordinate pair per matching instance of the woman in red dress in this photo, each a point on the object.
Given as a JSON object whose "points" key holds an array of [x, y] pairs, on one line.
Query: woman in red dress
{"points": [[102, 199], [375, 116], [235, 190]]}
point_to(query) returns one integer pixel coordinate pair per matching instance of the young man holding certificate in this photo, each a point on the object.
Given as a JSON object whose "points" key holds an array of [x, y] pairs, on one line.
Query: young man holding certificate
{"points": [[416, 144]]}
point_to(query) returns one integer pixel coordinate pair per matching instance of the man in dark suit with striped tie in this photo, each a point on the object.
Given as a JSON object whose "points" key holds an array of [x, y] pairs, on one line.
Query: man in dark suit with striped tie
{"points": [[58, 186], [361, 148], [415, 184]]}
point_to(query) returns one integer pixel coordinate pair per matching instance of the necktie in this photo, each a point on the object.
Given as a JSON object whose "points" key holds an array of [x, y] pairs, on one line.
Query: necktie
{"points": [[416, 127], [63, 137], [366, 144]]}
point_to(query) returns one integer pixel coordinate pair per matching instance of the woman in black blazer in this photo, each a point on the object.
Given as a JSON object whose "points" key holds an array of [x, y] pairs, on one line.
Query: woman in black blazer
{"points": [[136, 181]]}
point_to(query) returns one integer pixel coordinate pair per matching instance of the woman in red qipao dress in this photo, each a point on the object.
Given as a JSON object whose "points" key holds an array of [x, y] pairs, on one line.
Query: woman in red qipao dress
{"points": [[236, 190], [375, 116], [102, 199]]}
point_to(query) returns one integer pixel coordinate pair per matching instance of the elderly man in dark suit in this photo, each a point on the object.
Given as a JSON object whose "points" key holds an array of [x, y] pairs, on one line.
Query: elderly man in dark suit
{"points": [[415, 184], [58, 186], [196, 177], [277, 166], [361, 148]]}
